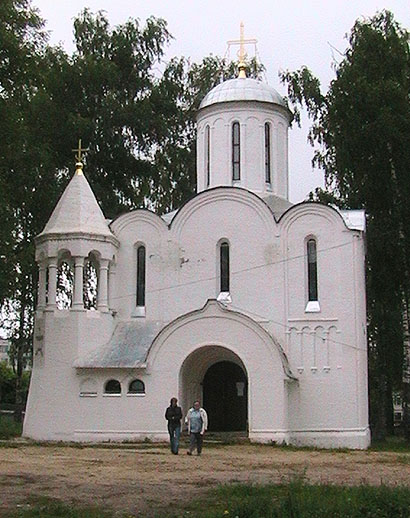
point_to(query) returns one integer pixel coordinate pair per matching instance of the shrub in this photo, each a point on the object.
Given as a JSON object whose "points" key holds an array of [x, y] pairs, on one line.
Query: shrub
{"points": [[8, 427]]}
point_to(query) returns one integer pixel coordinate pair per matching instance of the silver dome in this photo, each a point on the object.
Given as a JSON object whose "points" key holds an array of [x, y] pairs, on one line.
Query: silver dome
{"points": [[242, 89]]}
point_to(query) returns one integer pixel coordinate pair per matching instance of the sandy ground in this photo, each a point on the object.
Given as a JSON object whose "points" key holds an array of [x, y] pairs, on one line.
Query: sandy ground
{"points": [[145, 479]]}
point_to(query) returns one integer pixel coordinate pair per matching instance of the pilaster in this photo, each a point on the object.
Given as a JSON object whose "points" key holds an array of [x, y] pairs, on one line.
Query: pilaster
{"points": [[78, 301], [52, 283], [102, 301]]}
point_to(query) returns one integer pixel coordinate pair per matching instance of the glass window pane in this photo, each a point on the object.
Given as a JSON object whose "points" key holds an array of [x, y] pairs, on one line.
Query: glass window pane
{"points": [[236, 153], [113, 387], [267, 154], [312, 270], [141, 276], [207, 156], [136, 387], [224, 257]]}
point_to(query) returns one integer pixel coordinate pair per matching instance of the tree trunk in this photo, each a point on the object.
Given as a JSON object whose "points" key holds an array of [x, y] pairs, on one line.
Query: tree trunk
{"points": [[406, 372], [21, 347], [378, 406]]}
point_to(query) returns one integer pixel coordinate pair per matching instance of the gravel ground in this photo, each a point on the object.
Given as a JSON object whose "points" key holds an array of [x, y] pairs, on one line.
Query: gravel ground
{"points": [[144, 479]]}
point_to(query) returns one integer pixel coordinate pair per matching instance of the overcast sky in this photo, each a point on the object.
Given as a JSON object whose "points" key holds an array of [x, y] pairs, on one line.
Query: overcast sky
{"points": [[290, 34]]}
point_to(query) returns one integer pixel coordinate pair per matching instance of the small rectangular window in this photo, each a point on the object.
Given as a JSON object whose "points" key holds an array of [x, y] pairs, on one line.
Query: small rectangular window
{"points": [[312, 270], [141, 276], [268, 178], [208, 156], [224, 266], [236, 152]]}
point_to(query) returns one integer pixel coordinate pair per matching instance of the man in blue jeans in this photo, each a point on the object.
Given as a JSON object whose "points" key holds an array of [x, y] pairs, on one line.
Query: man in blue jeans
{"points": [[197, 421], [173, 415]]}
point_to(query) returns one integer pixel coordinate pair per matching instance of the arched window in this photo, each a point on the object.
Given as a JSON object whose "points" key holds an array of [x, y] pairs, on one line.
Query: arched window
{"points": [[65, 284], [312, 270], [141, 276], [224, 266], [208, 156], [268, 178], [90, 282], [112, 387], [236, 152], [136, 387]]}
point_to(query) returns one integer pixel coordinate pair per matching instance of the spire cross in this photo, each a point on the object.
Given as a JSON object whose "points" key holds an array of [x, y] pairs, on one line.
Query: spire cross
{"points": [[242, 52], [79, 156], [79, 151]]}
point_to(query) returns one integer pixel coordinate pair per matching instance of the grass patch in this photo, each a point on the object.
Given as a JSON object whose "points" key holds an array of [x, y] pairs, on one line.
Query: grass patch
{"points": [[300, 500], [8, 427], [44, 507], [294, 500]]}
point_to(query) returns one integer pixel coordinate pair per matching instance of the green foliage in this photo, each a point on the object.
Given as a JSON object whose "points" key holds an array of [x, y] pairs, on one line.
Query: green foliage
{"points": [[7, 383], [8, 379], [299, 500], [361, 127], [9, 428], [293, 500], [44, 507], [393, 443], [21, 38]]}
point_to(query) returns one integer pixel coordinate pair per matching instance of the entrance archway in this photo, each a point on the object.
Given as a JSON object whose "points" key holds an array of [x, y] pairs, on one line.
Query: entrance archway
{"points": [[225, 396], [217, 377]]}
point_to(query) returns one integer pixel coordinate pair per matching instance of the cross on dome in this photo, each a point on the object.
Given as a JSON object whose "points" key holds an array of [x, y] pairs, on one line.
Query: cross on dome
{"points": [[79, 157], [242, 52]]}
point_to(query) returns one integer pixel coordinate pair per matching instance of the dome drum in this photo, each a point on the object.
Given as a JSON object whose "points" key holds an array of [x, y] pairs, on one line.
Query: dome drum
{"points": [[243, 89], [242, 138]]}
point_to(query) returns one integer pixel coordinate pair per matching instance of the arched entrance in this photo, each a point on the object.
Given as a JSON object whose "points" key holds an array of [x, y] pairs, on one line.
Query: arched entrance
{"points": [[225, 396], [217, 377]]}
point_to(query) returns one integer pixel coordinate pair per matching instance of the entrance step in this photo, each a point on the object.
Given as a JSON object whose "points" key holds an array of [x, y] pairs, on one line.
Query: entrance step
{"points": [[226, 437]]}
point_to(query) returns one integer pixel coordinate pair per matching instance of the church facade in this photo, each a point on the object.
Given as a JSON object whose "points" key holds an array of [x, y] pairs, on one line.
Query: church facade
{"points": [[240, 299]]}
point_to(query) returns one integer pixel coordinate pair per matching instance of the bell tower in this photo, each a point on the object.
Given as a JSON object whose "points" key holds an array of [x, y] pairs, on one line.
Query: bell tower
{"points": [[75, 234]]}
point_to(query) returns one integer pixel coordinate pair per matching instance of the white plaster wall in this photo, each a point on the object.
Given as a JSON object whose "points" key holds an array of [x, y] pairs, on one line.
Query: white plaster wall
{"points": [[326, 350], [210, 328], [186, 270], [53, 407], [139, 228], [252, 117]]}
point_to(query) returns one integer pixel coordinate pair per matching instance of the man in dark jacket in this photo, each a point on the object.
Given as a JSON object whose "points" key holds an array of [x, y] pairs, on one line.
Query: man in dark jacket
{"points": [[173, 415]]}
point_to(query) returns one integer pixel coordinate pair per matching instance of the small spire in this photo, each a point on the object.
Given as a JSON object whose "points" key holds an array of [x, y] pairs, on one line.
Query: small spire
{"points": [[242, 52], [79, 156]]}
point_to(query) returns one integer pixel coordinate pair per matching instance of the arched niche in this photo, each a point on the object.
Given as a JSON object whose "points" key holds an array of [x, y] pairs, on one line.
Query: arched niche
{"points": [[65, 280], [90, 280]]}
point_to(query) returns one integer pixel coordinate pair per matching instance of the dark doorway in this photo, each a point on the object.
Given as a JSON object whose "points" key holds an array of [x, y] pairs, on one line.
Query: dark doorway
{"points": [[225, 394]]}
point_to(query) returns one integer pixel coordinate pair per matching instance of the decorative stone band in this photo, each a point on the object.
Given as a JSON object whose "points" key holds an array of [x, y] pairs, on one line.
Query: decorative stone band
{"points": [[75, 236]]}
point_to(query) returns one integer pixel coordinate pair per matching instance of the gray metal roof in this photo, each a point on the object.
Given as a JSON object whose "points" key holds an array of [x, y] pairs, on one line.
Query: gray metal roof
{"points": [[127, 347], [354, 219], [77, 211], [242, 89], [276, 204]]}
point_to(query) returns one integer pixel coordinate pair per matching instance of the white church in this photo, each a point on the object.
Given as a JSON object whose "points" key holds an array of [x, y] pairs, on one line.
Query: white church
{"points": [[240, 299]]}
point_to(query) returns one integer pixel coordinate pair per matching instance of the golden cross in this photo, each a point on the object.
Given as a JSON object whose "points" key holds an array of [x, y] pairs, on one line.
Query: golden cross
{"points": [[79, 151], [242, 52]]}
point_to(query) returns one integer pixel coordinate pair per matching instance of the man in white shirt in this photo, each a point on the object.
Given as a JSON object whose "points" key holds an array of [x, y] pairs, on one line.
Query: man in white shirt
{"points": [[197, 421]]}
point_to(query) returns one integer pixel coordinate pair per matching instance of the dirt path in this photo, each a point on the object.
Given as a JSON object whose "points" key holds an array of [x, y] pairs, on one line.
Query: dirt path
{"points": [[141, 479]]}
